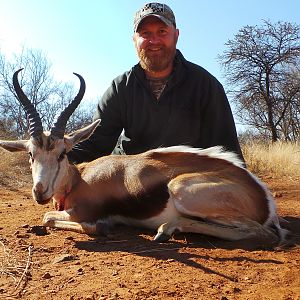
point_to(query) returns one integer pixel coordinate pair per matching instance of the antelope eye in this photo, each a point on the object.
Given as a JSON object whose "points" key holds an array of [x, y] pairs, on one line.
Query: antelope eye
{"points": [[62, 156], [31, 157]]}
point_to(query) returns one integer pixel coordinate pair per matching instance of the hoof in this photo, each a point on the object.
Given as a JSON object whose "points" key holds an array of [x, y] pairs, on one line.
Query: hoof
{"points": [[162, 237]]}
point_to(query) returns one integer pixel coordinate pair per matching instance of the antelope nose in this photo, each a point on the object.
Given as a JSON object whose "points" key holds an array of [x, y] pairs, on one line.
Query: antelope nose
{"points": [[38, 188], [37, 192]]}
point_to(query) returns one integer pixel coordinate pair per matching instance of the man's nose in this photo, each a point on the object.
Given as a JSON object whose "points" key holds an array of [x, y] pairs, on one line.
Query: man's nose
{"points": [[153, 39]]}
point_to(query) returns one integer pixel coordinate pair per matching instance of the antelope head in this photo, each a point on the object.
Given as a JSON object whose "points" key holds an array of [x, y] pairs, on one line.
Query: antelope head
{"points": [[47, 150]]}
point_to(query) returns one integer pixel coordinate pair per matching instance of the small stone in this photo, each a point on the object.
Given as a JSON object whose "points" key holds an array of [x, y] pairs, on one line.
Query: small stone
{"points": [[46, 276], [39, 230], [22, 236], [63, 258], [277, 195]]}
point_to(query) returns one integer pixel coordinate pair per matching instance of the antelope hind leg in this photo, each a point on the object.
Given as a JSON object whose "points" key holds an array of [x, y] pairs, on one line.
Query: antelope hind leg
{"points": [[184, 224], [208, 198]]}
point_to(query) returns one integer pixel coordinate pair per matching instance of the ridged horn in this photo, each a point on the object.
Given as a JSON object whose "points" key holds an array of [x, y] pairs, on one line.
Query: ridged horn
{"points": [[59, 125], [35, 123]]}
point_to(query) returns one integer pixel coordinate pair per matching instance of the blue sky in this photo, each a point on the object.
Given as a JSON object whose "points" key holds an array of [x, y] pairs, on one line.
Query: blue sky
{"points": [[94, 37]]}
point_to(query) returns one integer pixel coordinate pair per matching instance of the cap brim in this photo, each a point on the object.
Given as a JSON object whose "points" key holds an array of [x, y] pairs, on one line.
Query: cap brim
{"points": [[165, 20]]}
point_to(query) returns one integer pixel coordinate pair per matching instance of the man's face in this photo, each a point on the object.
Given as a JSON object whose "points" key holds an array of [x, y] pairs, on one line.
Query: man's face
{"points": [[155, 43]]}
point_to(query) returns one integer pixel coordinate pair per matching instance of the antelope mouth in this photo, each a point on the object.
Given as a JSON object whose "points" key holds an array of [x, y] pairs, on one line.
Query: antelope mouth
{"points": [[40, 200], [44, 201]]}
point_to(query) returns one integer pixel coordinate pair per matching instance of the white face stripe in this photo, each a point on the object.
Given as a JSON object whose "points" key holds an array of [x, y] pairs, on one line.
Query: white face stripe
{"points": [[48, 172], [56, 175]]}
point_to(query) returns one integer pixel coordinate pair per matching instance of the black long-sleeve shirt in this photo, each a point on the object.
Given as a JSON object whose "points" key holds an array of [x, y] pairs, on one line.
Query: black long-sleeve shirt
{"points": [[192, 110]]}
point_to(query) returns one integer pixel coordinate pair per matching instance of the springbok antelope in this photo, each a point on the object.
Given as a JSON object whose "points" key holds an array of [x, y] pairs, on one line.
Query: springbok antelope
{"points": [[205, 191]]}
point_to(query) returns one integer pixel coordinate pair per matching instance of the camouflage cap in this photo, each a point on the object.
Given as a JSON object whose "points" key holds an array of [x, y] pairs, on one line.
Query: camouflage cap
{"points": [[159, 10]]}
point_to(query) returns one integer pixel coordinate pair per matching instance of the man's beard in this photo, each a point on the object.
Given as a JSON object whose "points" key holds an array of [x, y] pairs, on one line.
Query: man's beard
{"points": [[156, 62]]}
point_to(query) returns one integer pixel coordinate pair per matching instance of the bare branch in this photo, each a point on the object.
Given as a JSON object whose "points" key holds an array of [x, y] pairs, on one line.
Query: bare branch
{"points": [[259, 65]]}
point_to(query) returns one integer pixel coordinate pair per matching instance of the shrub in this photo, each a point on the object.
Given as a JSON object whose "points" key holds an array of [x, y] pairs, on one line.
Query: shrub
{"points": [[276, 160]]}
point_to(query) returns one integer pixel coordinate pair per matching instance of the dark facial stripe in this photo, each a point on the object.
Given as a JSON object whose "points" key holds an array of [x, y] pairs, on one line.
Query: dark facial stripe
{"points": [[38, 141], [55, 177]]}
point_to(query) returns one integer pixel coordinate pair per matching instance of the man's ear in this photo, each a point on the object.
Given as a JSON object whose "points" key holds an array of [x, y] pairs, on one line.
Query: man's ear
{"points": [[177, 34], [80, 135], [13, 146]]}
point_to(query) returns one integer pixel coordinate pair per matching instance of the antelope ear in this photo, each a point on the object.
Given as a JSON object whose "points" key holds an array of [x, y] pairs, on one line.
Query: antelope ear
{"points": [[80, 135], [13, 146]]}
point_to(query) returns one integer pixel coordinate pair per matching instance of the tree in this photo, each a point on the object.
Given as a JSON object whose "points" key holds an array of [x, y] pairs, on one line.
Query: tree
{"points": [[48, 96], [258, 64], [290, 96], [63, 94]]}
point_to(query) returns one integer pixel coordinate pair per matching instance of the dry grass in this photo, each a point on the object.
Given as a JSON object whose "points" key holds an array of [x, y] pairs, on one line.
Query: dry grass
{"points": [[276, 160], [14, 269], [14, 169]]}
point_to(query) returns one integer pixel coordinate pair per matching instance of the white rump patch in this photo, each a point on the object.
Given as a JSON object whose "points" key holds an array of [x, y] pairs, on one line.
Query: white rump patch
{"points": [[214, 152]]}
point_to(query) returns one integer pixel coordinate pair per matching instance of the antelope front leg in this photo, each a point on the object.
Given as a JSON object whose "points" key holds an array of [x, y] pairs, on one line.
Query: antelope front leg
{"points": [[61, 220], [56, 216]]}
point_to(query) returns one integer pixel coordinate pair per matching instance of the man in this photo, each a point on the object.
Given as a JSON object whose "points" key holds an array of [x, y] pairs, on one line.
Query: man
{"points": [[162, 101]]}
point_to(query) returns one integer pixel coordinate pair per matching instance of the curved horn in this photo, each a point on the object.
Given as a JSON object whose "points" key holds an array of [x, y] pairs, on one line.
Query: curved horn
{"points": [[35, 123], [59, 126]]}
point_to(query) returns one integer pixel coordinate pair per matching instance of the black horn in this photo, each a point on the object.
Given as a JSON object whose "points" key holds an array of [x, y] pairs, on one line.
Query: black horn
{"points": [[59, 126], [35, 123]]}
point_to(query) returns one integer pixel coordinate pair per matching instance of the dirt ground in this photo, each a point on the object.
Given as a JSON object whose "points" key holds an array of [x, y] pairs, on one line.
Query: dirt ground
{"points": [[38, 263]]}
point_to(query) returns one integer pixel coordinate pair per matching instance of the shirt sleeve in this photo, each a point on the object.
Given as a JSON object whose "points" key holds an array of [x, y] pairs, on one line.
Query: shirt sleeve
{"points": [[218, 123], [104, 138]]}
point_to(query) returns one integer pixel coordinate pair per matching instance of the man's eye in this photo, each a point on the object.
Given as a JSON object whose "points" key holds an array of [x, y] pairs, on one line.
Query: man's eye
{"points": [[144, 34], [163, 31]]}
